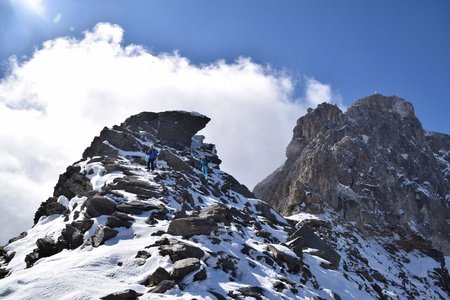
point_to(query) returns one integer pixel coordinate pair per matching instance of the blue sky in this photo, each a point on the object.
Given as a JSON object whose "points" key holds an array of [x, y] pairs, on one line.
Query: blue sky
{"points": [[357, 47]]}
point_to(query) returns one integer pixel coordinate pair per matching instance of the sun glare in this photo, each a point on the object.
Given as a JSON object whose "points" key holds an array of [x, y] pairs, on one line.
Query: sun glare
{"points": [[36, 6]]}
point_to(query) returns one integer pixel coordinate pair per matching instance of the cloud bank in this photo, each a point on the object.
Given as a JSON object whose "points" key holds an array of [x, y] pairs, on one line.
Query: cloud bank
{"points": [[53, 104]]}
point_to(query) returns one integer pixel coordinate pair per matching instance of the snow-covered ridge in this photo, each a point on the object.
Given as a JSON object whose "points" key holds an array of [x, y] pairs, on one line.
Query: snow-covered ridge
{"points": [[114, 227]]}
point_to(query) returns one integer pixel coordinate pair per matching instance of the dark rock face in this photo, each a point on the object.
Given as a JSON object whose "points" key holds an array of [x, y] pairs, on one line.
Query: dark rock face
{"points": [[293, 263], [97, 206], [373, 164], [3, 273], [185, 266], [45, 247], [191, 226], [310, 240], [125, 295], [72, 183], [163, 286], [173, 128], [49, 207], [157, 277], [174, 161], [72, 236], [178, 250], [135, 207], [102, 234], [131, 185]]}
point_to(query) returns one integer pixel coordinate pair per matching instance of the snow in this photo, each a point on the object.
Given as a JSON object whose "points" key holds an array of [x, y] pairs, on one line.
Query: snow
{"points": [[404, 156], [421, 265], [63, 201], [299, 217], [334, 280], [365, 138]]}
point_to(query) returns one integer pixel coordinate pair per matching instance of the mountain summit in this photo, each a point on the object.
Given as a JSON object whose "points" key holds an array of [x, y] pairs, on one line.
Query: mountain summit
{"points": [[114, 230], [374, 164]]}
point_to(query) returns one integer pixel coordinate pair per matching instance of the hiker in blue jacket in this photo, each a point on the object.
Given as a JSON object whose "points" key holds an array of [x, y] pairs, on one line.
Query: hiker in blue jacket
{"points": [[152, 155], [204, 164]]}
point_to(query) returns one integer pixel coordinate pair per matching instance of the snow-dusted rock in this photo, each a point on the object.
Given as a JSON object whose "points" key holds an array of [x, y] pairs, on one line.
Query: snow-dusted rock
{"points": [[49, 207], [157, 277], [190, 226], [373, 164], [185, 266], [97, 206]]}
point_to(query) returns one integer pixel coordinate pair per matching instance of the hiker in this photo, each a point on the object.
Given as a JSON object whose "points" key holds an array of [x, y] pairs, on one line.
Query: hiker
{"points": [[152, 155], [204, 164]]}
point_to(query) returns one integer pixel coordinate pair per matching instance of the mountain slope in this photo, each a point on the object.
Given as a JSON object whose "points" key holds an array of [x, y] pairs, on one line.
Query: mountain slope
{"points": [[373, 164], [114, 230]]}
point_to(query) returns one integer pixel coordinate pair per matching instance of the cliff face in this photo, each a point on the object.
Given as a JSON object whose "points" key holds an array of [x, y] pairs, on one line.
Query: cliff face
{"points": [[374, 164]]}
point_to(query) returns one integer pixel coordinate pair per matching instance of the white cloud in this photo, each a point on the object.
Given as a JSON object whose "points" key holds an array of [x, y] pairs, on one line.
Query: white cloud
{"points": [[52, 106], [317, 92]]}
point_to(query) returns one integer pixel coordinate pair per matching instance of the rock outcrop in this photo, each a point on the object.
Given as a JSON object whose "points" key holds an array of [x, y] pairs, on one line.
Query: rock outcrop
{"points": [[374, 164]]}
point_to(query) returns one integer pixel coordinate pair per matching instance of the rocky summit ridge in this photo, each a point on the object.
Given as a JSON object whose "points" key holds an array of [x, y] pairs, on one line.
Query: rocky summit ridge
{"points": [[374, 165], [113, 230]]}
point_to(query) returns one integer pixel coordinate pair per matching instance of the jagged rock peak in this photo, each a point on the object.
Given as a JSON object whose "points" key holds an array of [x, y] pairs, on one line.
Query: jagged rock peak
{"points": [[373, 164], [171, 128]]}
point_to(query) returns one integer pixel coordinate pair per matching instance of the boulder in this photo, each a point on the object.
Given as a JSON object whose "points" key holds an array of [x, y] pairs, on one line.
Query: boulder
{"points": [[100, 236], [3, 273], [191, 226], [294, 263], [218, 212], [174, 161], [97, 206], [157, 277], [115, 222], [130, 184], [296, 245], [163, 286], [270, 214], [183, 267], [72, 236], [117, 137], [49, 207], [21, 236], [201, 275], [72, 183], [122, 216], [45, 247], [178, 250], [124, 295], [231, 183], [255, 292], [172, 128], [136, 207], [311, 240], [143, 254]]}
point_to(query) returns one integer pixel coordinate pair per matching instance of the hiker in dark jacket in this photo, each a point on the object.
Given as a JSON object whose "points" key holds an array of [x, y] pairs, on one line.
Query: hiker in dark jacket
{"points": [[152, 156]]}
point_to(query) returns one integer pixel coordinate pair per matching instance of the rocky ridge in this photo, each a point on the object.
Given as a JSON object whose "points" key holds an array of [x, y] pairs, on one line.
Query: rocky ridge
{"points": [[374, 165], [113, 230]]}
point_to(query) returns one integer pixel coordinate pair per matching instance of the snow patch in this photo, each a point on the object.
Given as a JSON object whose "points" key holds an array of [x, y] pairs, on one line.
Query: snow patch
{"points": [[365, 138]]}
